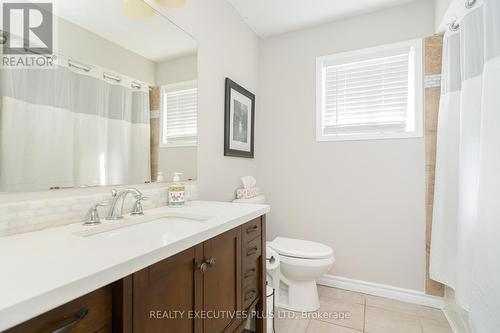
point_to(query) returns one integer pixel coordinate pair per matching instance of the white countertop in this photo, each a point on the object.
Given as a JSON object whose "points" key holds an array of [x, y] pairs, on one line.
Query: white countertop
{"points": [[44, 269]]}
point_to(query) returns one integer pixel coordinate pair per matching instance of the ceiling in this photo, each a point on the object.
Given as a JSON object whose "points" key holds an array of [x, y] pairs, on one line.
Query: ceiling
{"points": [[272, 17], [155, 38]]}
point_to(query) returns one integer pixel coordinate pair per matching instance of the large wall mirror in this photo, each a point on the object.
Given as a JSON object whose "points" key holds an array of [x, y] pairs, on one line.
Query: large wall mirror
{"points": [[119, 105]]}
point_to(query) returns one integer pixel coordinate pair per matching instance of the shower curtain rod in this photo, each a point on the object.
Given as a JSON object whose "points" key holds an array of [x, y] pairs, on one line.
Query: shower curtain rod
{"points": [[111, 77], [78, 65], [71, 63]]}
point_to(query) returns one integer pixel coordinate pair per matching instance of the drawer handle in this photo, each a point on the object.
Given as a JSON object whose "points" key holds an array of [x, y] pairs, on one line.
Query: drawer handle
{"points": [[252, 251], [252, 228], [66, 327], [250, 272], [251, 294]]}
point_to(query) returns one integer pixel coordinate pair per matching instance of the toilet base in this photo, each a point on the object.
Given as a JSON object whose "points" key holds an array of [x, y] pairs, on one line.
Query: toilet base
{"points": [[299, 296]]}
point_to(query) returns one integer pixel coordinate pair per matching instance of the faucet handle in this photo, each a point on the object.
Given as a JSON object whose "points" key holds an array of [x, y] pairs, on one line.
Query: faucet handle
{"points": [[92, 217], [140, 197], [137, 209]]}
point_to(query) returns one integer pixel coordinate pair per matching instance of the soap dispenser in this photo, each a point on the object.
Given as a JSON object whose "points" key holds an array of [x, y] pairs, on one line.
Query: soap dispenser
{"points": [[176, 192]]}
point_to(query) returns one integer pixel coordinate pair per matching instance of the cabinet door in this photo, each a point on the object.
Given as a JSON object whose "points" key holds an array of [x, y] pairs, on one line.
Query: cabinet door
{"points": [[222, 280], [166, 294]]}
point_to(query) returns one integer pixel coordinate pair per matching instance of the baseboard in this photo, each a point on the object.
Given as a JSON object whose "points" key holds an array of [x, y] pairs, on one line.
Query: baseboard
{"points": [[376, 289], [456, 323], [457, 317]]}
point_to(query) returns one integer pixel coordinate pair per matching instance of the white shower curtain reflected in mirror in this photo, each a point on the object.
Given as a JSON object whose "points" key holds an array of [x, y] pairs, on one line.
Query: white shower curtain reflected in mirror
{"points": [[465, 247], [66, 128]]}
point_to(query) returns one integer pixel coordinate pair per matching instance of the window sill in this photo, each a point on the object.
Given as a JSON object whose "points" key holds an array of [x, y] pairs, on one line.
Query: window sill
{"points": [[364, 137], [178, 145]]}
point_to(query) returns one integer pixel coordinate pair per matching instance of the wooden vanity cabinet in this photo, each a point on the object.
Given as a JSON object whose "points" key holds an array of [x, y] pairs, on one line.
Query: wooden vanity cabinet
{"points": [[196, 291]]}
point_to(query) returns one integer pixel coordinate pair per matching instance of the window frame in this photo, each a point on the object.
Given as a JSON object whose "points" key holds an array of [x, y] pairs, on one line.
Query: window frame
{"points": [[367, 54], [164, 89]]}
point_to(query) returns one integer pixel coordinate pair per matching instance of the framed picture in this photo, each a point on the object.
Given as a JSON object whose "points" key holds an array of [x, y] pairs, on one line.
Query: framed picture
{"points": [[239, 121]]}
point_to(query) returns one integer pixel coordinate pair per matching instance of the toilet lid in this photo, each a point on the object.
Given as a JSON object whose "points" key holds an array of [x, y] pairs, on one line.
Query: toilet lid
{"points": [[300, 248]]}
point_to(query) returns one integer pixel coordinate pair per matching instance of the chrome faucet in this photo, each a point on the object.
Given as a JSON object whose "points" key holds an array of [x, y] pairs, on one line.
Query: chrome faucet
{"points": [[115, 211]]}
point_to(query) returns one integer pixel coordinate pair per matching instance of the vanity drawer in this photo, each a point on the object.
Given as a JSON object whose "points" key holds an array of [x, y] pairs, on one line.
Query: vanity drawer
{"points": [[251, 252], [250, 294], [251, 274], [88, 314], [251, 230]]}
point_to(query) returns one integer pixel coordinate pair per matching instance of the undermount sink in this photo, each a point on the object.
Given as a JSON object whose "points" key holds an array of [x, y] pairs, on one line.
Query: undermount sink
{"points": [[164, 229]]}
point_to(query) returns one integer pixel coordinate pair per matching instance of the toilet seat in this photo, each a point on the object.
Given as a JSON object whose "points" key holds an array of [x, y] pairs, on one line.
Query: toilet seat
{"points": [[298, 248]]}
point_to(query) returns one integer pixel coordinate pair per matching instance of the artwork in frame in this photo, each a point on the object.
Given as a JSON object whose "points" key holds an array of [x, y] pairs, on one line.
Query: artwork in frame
{"points": [[239, 121]]}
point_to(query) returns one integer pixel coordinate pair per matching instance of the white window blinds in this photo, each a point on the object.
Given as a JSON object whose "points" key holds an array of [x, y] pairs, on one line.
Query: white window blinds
{"points": [[368, 95], [179, 118]]}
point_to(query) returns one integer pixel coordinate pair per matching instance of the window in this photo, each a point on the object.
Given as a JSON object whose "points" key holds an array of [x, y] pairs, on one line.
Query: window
{"points": [[179, 114], [374, 93]]}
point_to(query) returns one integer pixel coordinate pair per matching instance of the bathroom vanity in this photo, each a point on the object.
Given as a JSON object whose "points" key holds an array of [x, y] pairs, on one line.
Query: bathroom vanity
{"points": [[193, 269], [96, 119]]}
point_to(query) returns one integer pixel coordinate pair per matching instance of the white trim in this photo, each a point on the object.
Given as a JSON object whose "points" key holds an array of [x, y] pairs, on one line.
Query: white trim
{"points": [[382, 290], [456, 323], [173, 87], [179, 144], [365, 54], [456, 316]]}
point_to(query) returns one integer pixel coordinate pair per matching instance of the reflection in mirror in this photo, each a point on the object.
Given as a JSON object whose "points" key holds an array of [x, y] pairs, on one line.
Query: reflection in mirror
{"points": [[118, 106]]}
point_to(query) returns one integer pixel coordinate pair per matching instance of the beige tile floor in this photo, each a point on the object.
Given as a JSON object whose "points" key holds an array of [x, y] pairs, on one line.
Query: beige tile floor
{"points": [[366, 313]]}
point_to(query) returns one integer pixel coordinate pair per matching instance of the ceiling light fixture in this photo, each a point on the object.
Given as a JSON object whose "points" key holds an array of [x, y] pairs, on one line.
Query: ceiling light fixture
{"points": [[137, 9], [172, 3]]}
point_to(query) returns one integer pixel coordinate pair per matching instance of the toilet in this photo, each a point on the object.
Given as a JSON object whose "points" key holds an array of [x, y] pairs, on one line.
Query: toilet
{"points": [[301, 263]]}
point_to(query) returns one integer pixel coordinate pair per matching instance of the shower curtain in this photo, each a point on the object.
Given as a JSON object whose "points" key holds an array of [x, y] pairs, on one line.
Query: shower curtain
{"points": [[63, 127], [465, 246]]}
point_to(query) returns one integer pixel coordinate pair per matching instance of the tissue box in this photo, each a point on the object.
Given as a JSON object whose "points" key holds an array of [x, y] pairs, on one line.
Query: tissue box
{"points": [[247, 193]]}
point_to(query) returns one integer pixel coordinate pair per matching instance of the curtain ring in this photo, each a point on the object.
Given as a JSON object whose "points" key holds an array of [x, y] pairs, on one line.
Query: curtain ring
{"points": [[470, 3], [454, 26]]}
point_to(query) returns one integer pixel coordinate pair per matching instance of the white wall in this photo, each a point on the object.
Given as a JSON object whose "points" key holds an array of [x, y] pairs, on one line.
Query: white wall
{"points": [[177, 70], [363, 198], [226, 48], [442, 7], [82, 45]]}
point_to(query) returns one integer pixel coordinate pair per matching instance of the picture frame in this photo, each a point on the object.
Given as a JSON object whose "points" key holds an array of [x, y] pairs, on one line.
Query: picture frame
{"points": [[239, 121]]}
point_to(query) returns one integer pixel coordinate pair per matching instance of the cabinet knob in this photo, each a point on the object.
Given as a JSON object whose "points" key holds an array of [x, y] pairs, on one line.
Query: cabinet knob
{"points": [[203, 267], [210, 263]]}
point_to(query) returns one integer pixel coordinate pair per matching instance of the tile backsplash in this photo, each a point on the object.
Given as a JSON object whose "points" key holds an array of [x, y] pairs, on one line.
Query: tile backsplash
{"points": [[30, 215]]}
